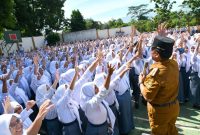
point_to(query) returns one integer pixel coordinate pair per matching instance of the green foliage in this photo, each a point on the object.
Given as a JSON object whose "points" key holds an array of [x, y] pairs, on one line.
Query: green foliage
{"points": [[77, 21], [52, 38], [33, 16], [194, 5], [7, 18], [144, 25], [91, 24], [113, 23], [163, 10], [139, 12]]}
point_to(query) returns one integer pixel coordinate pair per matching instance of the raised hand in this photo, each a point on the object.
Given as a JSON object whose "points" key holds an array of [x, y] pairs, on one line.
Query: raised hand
{"points": [[111, 69], [44, 109], [77, 70], [6, 105], [162, 29], [128, 66], [35, 59], [57, 75], [3, 78], [30, 104], [20, 72]]}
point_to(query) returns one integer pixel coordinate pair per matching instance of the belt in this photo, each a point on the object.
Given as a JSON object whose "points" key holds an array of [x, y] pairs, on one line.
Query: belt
{"points": [[68, 124], [51, 119], [97, 125], [123, 93], [112, 105], [164, 105]]}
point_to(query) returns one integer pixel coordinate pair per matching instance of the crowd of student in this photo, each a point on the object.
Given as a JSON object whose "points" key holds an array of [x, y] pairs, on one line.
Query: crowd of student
{"points": [[83, 88]]}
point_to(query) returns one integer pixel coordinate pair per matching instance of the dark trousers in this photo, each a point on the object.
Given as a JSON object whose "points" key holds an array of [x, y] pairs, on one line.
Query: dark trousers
{"points": [[133, 79]]}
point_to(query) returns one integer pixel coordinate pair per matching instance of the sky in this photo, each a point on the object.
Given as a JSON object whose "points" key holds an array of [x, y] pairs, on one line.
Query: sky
{"points": [[104, 10]]}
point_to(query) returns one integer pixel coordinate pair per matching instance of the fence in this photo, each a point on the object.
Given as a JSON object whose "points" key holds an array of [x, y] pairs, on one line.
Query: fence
{"points": [[27, 43], [95, 34]]}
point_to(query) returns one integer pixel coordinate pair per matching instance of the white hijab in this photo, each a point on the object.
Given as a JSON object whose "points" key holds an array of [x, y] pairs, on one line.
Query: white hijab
{"points": [[67, 77], [42, 89], [87, 93], [5, 123]]}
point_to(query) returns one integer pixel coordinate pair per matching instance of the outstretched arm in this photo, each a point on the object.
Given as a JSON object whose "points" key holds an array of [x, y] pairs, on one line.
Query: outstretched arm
{"points": [[44, 109], [110, 72], [72, 84]]}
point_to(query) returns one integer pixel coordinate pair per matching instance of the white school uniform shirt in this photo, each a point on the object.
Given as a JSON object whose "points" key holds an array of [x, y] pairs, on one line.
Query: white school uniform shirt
{"points": [[111, 97], [41, 95], [25, 118], [195, 61], [188, 62], [92, 105], [35, 83], [123, 85], [138, 64], [183, 60], [78, 85], [18, 94], [67, 108]]}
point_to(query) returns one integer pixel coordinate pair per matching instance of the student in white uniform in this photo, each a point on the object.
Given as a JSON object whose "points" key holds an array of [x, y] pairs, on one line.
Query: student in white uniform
{"points": [[38, 78], [195, 78], [43, 93], [24, 113], [11, 124], [111, 97], [67, 110], [100, 116]]}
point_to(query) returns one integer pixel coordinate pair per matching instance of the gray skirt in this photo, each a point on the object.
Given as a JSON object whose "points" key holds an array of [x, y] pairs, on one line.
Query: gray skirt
{"points": [[195, 88], [71, 128], [116, 113], [97, 129], [126, 123]]}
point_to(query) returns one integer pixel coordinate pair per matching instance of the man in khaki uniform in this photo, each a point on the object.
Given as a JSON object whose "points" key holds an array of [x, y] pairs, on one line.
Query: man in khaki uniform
{"points": [[160, 88]]}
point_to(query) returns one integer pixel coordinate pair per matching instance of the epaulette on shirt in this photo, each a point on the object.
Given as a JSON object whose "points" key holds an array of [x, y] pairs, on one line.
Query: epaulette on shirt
{"points": [[154, 71]]}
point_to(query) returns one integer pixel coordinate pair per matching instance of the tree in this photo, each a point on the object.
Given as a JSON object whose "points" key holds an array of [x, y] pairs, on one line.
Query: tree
{"points": [[7, 18], [77, 21], [163, 10], [34, 16], [113, 23], [91, 24], [194, 5], [52, 38], [139, 12]]}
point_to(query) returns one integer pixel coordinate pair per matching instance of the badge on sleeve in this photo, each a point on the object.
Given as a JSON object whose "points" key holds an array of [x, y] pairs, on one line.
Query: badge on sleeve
{"points": [[153, 72]]}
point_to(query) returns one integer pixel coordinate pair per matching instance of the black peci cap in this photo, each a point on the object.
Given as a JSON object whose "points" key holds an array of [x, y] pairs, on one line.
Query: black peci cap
{"points": [[163, 45]]}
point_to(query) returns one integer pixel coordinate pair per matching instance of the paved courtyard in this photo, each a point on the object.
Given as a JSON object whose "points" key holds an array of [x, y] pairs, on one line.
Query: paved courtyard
{"points": [[188, 122]]}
